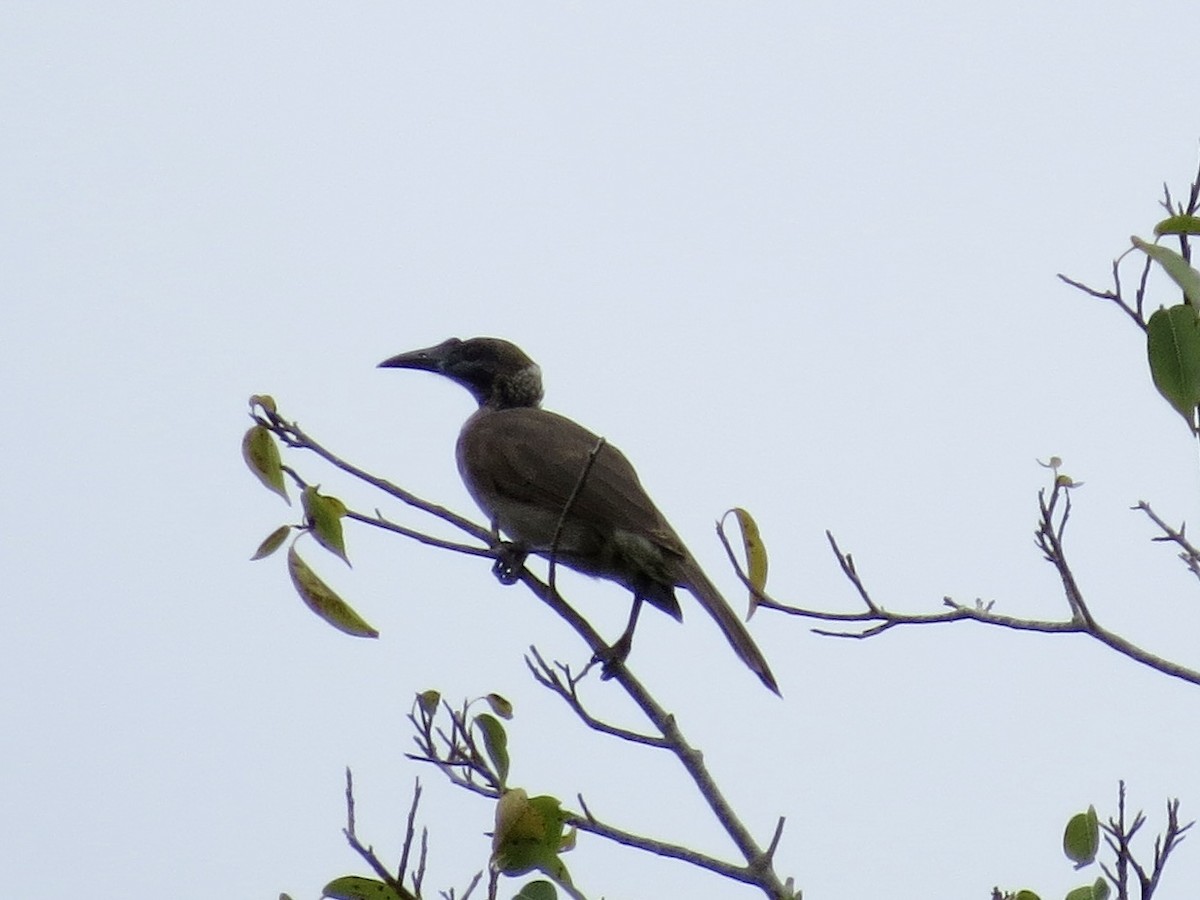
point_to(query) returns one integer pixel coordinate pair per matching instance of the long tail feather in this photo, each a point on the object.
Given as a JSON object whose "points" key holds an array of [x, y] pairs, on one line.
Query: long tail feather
{"points": [[732, 627]]}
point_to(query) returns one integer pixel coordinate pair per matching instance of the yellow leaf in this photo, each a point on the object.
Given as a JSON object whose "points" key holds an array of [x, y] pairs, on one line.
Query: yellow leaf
{"points": [[756, 554], [266, 401], [428, 701], [500, 706], [322, 599]]}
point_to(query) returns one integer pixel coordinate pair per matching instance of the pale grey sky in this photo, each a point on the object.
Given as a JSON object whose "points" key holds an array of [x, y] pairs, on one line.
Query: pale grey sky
{"points": [[794, 257]]}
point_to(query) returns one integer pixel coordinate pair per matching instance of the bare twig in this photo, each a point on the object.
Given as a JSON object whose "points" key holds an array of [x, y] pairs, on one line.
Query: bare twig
{"points": [[380, 521], [587, 821], [1136, 310], [365, 850], [566, 511], [565, 687], [1054, 512], [455, 752], [410, 831], [1114, 295], [1118, 835], [1188, 552], [471, 886], [292, 435]]}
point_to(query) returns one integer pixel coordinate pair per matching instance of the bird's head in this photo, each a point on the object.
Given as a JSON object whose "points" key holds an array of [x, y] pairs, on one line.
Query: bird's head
{"points": [[496, 372]]}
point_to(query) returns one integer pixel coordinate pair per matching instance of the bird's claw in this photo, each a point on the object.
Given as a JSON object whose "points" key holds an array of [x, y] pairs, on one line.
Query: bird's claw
{"points": [[510, 561], [612, 658]]}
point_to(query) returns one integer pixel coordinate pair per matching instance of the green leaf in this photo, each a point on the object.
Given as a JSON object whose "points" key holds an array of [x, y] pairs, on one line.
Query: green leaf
{"points": [[495, 741], [322, 599], [1173, 350], [1174, 265], [500, 706], [266, 401], [356, 887], [1026, 895], [428, 701], [756, 554], [272, 542], [262, 456], [537, 890], [1101, 889], [1178, 225], [324, 516], [1081, 838], [529, 835]]}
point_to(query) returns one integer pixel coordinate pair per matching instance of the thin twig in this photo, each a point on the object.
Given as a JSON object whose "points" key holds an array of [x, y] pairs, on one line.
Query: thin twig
{"points": [[1134, 312], [380, 521], [471, 886], [566, 510], [294, 436], [587, 821], [1054, 512], [454, 753], [1188, 552], [1118, 835], [545, 675], [365, 850], [410, 829]]}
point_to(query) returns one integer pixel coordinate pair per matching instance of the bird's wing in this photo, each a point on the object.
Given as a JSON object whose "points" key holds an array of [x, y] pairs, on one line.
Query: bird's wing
{"points": [[532, 456]]}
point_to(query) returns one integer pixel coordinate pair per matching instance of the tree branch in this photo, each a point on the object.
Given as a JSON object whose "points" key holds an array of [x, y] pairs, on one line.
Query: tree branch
{"points": [[1054, 512]]}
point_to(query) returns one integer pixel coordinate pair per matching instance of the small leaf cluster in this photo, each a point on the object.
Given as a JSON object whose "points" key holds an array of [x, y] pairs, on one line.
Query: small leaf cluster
{"points": [[1081, 842], [1173, 333], [323, 516], [530, 833], [450, 739]]}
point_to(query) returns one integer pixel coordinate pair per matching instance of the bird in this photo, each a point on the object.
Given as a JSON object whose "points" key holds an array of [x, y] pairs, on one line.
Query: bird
{"points": [[557, 490]]}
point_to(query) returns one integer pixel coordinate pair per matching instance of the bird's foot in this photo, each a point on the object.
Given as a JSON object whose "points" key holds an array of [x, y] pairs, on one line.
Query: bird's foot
{"points": [[613, 657], [510, 560]]}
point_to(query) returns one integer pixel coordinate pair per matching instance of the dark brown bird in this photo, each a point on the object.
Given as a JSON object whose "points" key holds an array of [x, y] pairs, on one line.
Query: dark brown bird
{"points": [[523, 465]]}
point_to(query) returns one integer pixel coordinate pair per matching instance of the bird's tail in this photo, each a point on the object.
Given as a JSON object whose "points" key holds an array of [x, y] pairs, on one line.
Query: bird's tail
{"points": [[734, 630]]}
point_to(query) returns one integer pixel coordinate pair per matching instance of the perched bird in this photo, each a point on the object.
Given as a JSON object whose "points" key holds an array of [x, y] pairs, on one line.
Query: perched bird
{"points": [[557, 490]]}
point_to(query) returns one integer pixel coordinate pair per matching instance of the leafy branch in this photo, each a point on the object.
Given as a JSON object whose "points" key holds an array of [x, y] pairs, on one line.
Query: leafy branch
{"points": [[453, 748], [1173, 350], [1081, 845]]}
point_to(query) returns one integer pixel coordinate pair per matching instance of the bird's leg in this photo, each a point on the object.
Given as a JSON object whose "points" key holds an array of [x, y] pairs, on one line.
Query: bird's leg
{"points": [[510, 560], [613, 656]]}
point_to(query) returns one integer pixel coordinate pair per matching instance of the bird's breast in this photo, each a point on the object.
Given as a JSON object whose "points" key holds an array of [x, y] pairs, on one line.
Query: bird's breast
{"points": [[509, 469]]}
